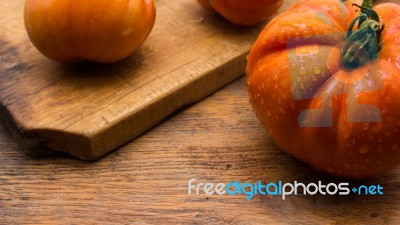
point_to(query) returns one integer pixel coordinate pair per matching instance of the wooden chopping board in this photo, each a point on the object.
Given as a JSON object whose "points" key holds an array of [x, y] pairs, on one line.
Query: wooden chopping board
{"points": [[87, 110]]}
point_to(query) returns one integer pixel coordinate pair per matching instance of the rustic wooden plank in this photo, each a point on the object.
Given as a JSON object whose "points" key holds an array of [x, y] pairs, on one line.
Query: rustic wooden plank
{"points": [[88, 110], [145, 182]]}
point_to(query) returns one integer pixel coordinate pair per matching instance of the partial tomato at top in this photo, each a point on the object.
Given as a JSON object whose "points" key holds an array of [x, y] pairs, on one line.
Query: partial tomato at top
{"points": [[95, 30], [324, 79], [242, 12]]}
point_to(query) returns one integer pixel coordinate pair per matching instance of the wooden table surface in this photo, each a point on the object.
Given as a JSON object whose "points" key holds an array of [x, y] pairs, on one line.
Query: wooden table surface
{"points": [[145, 182]]}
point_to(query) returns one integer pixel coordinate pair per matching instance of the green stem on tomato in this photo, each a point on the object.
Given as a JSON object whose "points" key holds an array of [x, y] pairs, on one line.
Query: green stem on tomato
{"points": [[363, 44], [367, 3]]}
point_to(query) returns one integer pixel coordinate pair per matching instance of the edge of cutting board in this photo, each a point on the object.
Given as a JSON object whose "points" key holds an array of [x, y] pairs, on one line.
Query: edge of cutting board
{"points": [[42, 142]]}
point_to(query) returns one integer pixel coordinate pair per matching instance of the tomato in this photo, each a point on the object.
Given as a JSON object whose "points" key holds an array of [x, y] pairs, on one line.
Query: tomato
{"points": [[243, 12], [327, 90], [95, 30]]}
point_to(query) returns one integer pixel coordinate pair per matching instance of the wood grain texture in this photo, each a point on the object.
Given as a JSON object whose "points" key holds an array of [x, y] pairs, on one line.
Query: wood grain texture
{"points": [[87, 110], [145, 182]]}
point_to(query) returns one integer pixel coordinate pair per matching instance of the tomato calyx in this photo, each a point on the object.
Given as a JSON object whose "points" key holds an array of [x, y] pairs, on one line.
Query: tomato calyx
{"points": [[363, 44]]}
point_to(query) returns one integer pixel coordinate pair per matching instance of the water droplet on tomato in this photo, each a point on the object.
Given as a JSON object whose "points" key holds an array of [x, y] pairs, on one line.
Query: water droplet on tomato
{"points": [[377, 127], [317, 70], [363, 149], [269, 130], [303, 71]]}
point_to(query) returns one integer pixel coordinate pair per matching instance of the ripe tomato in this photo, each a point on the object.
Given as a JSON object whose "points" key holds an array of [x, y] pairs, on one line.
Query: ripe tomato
{"points": [[328, 91], [243, 12], [96, 30]]}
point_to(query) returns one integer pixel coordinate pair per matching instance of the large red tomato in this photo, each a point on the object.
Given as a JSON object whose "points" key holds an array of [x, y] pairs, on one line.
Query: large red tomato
{"points": [[95, 30], [327, 90], [243, 12]]}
